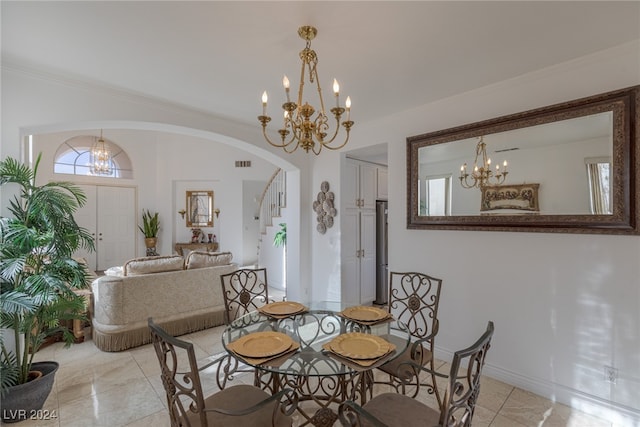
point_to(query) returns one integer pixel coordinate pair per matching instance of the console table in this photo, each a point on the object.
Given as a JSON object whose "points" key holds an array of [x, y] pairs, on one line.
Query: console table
{"points": [[209, 247]]}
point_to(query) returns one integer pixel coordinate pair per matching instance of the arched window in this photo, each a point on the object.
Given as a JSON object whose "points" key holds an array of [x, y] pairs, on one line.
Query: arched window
{"points": [[73, 157]]}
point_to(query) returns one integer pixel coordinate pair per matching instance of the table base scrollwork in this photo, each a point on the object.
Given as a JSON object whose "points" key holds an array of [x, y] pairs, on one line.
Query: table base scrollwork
{"points": [[320, 379], [322, 394]]}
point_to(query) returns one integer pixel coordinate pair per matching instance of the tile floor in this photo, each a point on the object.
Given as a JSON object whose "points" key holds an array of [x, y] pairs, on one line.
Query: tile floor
{"points": [[95, 388]]}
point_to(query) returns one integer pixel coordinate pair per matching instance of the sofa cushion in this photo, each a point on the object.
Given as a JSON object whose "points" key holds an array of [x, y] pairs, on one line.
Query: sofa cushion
{"points": [[201, 259], [155, 264]]}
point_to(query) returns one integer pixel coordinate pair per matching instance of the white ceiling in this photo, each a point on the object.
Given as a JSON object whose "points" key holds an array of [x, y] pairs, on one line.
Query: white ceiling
{"points": [[218, 57]]}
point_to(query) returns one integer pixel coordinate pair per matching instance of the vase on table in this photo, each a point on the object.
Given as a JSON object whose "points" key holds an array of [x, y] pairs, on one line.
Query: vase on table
{"points": [[150, 243]]}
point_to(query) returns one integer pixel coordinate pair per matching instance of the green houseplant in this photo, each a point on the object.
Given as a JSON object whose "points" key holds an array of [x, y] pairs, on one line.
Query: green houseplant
{"points": [[150, 227], [280, 240], [150, 224], [37, 278]]}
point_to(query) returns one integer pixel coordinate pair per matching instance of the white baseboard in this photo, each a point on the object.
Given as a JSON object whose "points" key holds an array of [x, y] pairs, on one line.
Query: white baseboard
{"points": [[619, 415]]}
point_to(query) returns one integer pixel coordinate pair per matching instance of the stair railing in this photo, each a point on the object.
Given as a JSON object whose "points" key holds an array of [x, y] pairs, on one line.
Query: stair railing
{"points": [[273, 199]]}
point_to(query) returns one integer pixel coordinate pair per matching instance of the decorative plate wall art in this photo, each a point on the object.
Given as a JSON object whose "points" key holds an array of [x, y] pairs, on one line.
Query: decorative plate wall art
{"points": [[324, 208]]}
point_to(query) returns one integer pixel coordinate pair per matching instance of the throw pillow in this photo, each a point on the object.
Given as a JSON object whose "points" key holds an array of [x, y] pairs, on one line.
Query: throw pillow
{"points": [[202, 259], [154, 264]]}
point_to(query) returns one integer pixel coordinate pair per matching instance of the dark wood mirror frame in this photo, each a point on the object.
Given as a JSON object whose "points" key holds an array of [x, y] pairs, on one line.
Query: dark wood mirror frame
{"points": [[625, 219]]}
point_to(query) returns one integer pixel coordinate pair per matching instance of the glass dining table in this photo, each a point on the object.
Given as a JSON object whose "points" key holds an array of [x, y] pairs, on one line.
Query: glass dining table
{"points": [[320, 378]]}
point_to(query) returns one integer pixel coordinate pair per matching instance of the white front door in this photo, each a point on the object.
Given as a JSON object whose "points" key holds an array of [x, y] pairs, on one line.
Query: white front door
{"points": [[110, 216], [116, 237], [86, 218]]}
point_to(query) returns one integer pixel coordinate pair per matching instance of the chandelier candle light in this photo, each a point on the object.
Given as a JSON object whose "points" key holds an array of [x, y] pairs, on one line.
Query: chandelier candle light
{"points": [[482, 174], [100, 158], [300, 127]]}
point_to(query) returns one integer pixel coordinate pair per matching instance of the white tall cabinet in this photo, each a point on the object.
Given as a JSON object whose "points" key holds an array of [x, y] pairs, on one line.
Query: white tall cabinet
{"points": [[358, 232], [110, 216], [359, 185]]}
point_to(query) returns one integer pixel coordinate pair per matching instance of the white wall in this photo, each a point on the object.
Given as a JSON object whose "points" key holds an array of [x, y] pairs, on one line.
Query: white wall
{"points": [[325, 249], [203, 165], [273, 258], [251, 192], [564, 305]]}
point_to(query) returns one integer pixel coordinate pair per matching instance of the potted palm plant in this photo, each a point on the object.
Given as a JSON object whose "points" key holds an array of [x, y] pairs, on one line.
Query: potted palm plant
{"points": [[150, 227], [38, 277]]}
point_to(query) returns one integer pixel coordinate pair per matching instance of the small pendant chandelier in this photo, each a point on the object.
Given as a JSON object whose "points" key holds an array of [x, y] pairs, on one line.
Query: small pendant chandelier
{"points": [[300, 127], [101, 161], [482, 175]]}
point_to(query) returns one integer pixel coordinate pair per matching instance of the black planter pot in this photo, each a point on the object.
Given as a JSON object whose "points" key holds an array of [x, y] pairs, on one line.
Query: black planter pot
{"points": [[23, 401]]}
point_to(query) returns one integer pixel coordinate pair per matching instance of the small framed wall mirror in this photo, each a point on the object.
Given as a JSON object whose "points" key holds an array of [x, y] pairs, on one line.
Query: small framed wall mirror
{"points": [[199, 208], [571, 168]]}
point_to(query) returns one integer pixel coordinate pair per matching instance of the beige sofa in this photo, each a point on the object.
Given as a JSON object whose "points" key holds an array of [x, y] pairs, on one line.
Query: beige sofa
{"points": [[181, 295]]}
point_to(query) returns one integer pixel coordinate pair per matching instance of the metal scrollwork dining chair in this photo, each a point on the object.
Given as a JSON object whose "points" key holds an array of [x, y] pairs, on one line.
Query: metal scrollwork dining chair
{"points": [[237, 406], [413, 300], [244, 291], [459, 401]]}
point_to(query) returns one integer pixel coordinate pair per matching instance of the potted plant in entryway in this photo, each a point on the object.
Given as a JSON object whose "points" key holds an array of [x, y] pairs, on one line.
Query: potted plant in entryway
{"points": [[38, 276], [280, 240], [150, 227]]}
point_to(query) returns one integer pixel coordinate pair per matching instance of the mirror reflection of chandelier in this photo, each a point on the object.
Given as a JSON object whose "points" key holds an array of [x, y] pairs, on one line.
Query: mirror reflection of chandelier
{"points": [[482, 174], [101, 161], [300, 128]]}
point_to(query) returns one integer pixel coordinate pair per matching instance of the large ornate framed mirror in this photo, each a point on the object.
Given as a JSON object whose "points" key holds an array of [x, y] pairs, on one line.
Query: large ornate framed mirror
{"points": [[571, 168], [199, 208]]}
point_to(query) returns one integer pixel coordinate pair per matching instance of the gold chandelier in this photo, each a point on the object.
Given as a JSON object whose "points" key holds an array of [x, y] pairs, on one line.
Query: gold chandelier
{"points": [[100, 159], [300, 128], [482, 174]]}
